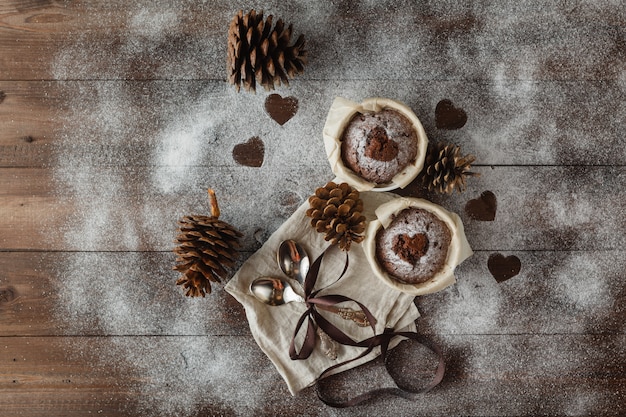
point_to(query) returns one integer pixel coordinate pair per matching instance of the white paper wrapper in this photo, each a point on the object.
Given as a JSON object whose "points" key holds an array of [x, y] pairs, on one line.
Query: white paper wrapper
{"points": [[458, 251], [340, 114]]}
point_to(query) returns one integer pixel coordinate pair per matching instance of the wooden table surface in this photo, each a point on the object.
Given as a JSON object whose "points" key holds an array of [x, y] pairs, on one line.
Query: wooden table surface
{"points": [[116, 117]]}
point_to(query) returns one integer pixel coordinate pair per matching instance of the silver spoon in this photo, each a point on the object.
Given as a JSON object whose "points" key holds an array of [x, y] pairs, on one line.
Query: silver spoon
{"points": [[276, 292], [293, 260]]}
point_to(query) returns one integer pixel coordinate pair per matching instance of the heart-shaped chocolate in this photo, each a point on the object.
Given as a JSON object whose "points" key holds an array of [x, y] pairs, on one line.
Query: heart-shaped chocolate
{"points": [[410, 248], [379, 146], [2, 96], [503, 267], [449, 117], [281, 109], [482, 208], [250, 153]]}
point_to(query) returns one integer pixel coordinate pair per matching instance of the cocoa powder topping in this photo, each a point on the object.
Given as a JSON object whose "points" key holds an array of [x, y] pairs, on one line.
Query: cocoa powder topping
{"points": [[379, 146], [410, 249]]}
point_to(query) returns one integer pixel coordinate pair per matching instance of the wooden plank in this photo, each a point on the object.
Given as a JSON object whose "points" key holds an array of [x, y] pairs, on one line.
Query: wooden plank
{"points": [[142, 123], [29, 124], [52, 293], [553, 294], [524, 374], [116, 117], [110, 209], [545, 208], [45, 40], [134, 294], [64, 383]]}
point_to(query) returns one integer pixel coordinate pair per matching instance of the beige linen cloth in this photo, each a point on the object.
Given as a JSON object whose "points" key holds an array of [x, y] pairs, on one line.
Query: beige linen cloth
{"points": [[273, 326]]}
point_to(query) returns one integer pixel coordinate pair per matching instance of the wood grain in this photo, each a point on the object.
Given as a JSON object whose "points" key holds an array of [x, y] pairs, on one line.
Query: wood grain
{"points": [[97, 99], [582, 211], [509, 123], [33, 301], [67, 378], [101, 48]]}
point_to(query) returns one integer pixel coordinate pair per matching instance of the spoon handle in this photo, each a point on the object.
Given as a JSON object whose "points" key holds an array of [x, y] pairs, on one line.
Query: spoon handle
{"points": [[329, 348], [357, 316]]}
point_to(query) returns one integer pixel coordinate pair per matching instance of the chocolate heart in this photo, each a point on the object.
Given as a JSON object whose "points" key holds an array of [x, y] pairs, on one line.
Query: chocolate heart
{"points": [[379, 146], [250, 153], [2, 96], [449, 117], [503, 267], [482, 208], [410, 248], [281, 109]]}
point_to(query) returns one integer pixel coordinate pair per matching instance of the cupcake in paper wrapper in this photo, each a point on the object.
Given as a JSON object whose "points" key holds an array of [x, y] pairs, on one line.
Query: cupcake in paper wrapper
{"points": [[377, 145], [415, 245]]}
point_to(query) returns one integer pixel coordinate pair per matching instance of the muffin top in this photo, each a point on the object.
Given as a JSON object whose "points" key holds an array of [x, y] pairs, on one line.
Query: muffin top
{"points": [[379, 145], [414, 247]]}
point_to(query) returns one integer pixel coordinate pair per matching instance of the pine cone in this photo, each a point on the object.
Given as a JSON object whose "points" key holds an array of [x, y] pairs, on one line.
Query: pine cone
{"points": [[207, 249], [336, 211], [445, 169], [258, 53]]}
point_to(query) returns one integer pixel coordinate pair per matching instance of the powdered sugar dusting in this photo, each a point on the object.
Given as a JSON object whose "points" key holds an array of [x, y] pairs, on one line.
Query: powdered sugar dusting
{"points": [[584, 285], [137, 155], [165, 134], [152, 22], [471, 306], [582, 402], [99, 213], [196, 371], [181, 147], [132, 294]]}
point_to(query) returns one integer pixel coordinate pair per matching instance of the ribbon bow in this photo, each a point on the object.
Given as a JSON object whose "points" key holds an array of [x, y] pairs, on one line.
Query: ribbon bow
{"points": [[312, 300]]}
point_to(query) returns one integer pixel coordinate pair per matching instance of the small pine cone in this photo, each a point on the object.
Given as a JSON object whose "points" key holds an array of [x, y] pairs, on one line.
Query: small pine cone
{"points": [[445, 169], [259, 53], [336, 211], [207, 249]]}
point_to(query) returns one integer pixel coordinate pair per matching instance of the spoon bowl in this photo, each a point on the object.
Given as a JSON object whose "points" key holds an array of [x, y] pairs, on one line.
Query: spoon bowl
{"points": [[274, 291], [293, 260]]}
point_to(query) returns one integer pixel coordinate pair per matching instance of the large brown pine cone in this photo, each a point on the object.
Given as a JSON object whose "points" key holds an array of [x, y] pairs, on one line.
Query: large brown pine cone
{"points": [[207, 250], [259, 53]]}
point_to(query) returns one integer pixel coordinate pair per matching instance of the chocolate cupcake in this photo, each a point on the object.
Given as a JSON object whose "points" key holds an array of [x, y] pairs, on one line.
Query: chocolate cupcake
{"points": [[377, 145], [415, 245]]}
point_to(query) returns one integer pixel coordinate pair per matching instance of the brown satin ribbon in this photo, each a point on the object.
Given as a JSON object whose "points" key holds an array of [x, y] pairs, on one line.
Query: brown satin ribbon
{"points": [[382, 340], [315, 318]]}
